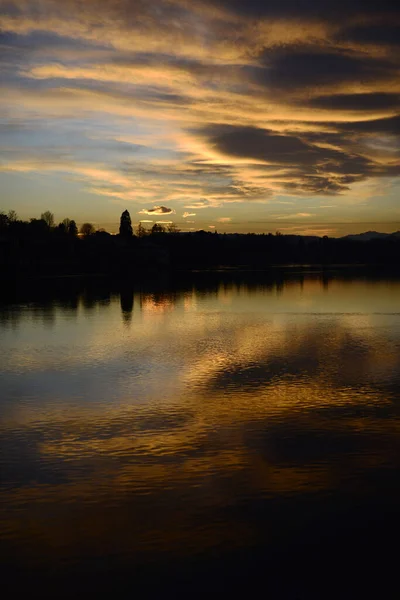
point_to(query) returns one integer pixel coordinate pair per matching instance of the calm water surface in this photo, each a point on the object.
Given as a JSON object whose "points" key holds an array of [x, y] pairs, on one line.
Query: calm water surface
{"points": [[202, 439]]}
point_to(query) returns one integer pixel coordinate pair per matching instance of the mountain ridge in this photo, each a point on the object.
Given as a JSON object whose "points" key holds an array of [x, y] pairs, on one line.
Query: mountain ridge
{"points": [[367, 236]]}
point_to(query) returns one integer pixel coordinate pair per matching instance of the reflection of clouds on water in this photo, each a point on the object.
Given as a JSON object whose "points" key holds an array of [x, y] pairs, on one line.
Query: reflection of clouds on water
{"points": [[157, 433], [166, 467], [196, 341], [330, 350]]}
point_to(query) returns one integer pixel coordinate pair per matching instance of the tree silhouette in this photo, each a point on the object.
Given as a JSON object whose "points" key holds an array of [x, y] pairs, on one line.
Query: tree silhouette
{"points": [[87, 229], [61, 228], [3, 220], [12, 216], [38, 227], [157, 228], [66, 223], [141, 231], [48, 218], [172, 228], [72, 228], [125, 227]]}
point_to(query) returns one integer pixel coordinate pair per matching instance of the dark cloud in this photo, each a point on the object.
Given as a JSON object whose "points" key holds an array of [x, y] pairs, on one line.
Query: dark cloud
{"points": [[389, 125], [261, 144], [310, 166], [266, 145], [294, 67], [319, 184], [156, 210], [310, 8], [372, 101], [381, 34]]}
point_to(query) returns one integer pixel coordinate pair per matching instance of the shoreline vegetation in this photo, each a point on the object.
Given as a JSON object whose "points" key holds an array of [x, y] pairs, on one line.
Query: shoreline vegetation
{"points": [[40, 249]]}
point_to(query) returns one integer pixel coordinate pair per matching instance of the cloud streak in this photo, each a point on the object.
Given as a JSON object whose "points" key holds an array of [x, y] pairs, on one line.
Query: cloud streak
{"points": [[203, 105]]}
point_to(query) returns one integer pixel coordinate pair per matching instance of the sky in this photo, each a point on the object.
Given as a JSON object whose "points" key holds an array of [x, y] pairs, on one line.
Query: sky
{"points": [[224, 115]]}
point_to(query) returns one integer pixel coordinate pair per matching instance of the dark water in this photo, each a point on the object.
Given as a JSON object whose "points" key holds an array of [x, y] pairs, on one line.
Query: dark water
{"points": [[202, 441]]}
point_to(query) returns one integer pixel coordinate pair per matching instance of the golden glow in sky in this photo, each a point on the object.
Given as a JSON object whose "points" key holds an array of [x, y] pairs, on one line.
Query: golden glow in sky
{"points": [[231, 115]]}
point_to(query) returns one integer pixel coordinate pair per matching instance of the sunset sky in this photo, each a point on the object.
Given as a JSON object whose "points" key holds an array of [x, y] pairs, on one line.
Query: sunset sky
{"points": [[235, 115]]}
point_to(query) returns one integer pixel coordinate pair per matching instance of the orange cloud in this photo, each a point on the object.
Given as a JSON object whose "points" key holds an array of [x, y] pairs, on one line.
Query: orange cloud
{"points": [[228, 109]]}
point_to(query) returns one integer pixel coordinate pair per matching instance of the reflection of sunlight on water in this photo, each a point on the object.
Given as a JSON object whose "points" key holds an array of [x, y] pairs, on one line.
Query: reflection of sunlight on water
{"points": [[147, 436]]}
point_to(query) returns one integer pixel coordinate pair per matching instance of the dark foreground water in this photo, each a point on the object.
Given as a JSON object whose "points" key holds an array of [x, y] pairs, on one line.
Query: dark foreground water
{"points": [[203, 441]]}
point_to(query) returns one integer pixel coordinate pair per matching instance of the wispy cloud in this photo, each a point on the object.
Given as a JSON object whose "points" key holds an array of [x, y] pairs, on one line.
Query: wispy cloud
{"points": [[299, 215], [248, 102]]}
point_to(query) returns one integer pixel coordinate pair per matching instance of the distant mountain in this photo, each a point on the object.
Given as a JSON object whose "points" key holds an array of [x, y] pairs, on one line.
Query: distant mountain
{"points": [[370, 235]]}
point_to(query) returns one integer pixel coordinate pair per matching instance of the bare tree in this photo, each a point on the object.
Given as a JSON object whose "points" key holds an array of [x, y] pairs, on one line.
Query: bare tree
{"points": [[158, 228], [48, 218], [87, 229], [172, 228], [141, 231]]}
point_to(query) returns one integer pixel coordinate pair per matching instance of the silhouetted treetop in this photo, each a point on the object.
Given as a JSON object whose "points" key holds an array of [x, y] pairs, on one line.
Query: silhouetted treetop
{"points": [[141, 231], [125, 227], [172, 228], [48, 218], [12, 216], [157, 228], [87, 229], [72, 228]]}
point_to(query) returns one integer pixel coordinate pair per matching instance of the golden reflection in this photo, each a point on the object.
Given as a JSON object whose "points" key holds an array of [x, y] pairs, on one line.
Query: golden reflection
{"points": [[157, 303], [239, 393]]}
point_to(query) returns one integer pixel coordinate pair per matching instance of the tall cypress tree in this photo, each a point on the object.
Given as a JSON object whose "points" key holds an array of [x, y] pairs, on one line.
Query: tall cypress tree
{"points": [[125, 227]]}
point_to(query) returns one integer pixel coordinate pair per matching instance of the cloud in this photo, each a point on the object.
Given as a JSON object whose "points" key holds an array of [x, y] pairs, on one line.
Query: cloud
{"points": [[299, 215], [357, 102], [188, 214], [259, 144], [201, 104], [332, 9], [156, 210], [224, 220], [164, 222], [380, 34], [290, 68], [145, 221], [319, 230], [212, 226], [389, 125], [200, 204], [305, 163]]}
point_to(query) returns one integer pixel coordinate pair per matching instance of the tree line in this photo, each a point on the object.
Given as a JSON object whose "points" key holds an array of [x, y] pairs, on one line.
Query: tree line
{"points": [[42, 247], [46, 222]]}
